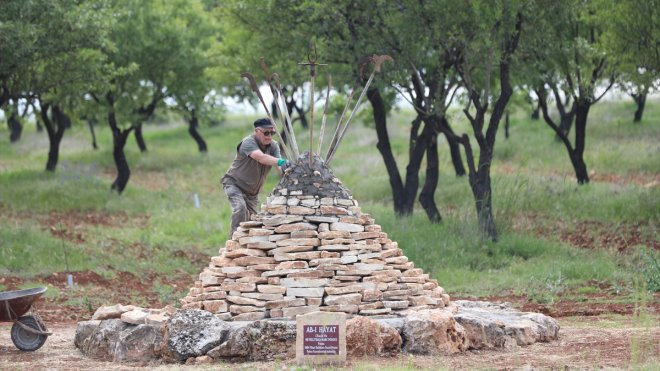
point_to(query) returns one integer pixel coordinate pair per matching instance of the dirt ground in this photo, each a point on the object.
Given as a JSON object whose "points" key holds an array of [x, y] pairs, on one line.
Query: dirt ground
{"points": [[584, 343]]}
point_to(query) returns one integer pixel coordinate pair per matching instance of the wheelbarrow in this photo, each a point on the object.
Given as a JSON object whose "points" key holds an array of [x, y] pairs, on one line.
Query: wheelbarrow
{"points": [[28, 332]]}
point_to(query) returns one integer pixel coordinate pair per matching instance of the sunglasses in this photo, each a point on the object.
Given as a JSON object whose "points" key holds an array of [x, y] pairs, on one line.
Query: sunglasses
{"points": [[268, 133]]}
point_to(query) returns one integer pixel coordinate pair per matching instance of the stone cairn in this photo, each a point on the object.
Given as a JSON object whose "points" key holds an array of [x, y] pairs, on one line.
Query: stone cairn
{"points": [[311, 248]]}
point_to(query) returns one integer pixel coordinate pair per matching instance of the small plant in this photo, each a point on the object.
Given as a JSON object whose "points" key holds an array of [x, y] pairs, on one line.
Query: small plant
{"points": [[87, 302], [548, 291], [651, 269], [165, 293]]}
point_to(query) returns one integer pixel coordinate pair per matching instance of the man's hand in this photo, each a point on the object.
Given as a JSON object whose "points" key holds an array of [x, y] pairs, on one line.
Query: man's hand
{"points": [[286, 165]]}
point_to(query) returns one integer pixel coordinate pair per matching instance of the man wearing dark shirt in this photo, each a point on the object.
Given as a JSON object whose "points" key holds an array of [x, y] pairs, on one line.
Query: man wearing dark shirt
{"points": [[255, 155]]}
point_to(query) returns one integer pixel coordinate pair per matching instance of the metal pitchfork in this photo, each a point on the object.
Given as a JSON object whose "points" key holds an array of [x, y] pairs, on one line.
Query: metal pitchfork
{"points": [[377, 60], [276, 90], [311, 62], [255, 89]]}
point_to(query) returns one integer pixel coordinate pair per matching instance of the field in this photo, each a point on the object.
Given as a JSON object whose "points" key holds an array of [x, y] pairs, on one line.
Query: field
{"points": [[579, 253]]}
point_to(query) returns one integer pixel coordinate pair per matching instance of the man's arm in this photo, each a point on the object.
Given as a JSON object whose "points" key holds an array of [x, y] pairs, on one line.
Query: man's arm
{"points": [[263, 158]]}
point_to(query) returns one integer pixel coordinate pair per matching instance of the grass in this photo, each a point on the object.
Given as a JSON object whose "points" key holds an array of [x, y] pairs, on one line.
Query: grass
{"points": [[155, 227]]}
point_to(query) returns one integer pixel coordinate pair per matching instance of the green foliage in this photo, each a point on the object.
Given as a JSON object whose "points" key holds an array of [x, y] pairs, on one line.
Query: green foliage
{"points": [[651, 269], [29, 251], [631, 37], [55, 49]]}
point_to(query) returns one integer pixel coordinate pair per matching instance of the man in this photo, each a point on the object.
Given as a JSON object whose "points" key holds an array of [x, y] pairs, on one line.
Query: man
{"points": [[255, 155]]}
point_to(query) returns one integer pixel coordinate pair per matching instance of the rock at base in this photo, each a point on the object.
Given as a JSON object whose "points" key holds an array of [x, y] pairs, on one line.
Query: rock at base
{"points": [[368, 337], [433, 331], [264, 340], [490, 325], [193, 332], [115, 340]]}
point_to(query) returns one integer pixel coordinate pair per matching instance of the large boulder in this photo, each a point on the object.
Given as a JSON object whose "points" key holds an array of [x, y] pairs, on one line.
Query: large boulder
{"points": [[273, 340], [97, 339], [235, 348], [433, 331], [115, 340], [139, 343], [390, 340], [263, 340], [490, 325], [366, 337], [193, 332], [84, 331]]}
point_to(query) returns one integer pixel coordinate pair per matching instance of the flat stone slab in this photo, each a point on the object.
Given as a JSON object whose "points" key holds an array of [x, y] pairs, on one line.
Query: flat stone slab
{"points": [[492, 325]]}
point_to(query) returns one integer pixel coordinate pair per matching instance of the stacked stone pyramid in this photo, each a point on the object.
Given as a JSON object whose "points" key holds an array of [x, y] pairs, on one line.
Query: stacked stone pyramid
{"points": [[309, 249]]}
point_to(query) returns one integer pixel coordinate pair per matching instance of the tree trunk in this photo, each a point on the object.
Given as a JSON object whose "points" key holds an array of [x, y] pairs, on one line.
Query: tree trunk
{"points": [[640, 100], [119, 141], [139, 138], [90, 124], [577, 157], [40, 128], [193, 124], [481, 189], [119, 137], [15, 127], [414, 135], [579, 166], [412, 170], [273, 109], [144, 113], [301, 115], [64, 119], [55, 129], [385, 149], [454, 148], [506, 125], [4, 95], [566, 120], [427, 195], [535, 113]]}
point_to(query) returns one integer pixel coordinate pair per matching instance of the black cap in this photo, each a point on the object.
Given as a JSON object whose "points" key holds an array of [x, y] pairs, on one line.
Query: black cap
{"points": [[263, 123]]}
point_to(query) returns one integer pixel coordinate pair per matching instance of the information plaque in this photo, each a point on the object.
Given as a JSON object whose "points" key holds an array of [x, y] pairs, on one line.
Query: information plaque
{"points": [[321, 338]]}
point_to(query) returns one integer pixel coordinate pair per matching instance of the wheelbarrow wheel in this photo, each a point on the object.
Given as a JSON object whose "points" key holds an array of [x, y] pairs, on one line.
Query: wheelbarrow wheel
{"points": [[26, 340]]}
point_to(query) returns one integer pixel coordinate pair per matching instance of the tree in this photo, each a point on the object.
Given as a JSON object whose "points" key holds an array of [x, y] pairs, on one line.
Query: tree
{"points": [[429, 77], [154, 55], [190, 82], [486, 38], [573, 52], [58, 56], [632, 36], [13, 121], [250, 33]]}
